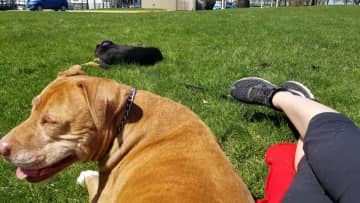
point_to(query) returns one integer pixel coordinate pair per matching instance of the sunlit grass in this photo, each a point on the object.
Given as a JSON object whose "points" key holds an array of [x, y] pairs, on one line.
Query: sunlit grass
{"points": [[209, 49]]}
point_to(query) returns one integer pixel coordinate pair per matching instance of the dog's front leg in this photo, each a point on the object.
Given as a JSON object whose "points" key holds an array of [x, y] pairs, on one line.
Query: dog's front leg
{"points": [[90, 180], [91, 64], [94, 63]]}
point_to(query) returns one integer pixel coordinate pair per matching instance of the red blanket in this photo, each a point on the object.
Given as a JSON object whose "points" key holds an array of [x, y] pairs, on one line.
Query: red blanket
{"points": [[280, 161]]}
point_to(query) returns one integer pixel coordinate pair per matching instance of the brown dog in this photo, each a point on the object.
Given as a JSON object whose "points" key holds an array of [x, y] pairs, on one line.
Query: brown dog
{"points": [[164, 153]]}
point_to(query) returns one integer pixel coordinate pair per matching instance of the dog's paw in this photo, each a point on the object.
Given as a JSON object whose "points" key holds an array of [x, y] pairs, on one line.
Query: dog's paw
{"points": [[96, 60], [85, 174], [92, 64]]}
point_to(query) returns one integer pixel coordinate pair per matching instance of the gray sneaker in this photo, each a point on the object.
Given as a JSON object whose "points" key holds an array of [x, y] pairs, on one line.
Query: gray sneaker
{"points": [[298, 89], [253, 90]]}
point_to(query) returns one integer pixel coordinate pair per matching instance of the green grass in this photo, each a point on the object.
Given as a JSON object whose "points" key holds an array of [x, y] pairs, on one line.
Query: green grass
{"points": [[318, 46]]}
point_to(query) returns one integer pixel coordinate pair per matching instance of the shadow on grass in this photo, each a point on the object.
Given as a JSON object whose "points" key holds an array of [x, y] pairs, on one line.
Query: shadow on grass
{"points": [[26, 71], [276, 119]]}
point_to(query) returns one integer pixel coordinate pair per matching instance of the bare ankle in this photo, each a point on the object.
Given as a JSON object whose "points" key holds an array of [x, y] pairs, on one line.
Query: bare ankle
{"points": [[279, 98]]}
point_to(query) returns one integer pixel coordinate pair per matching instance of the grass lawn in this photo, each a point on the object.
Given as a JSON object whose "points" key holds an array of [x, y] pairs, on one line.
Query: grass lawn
{"points": [[316, 45]]}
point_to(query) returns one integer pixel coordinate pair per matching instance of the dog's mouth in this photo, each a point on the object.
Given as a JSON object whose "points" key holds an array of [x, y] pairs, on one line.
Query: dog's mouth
{"points": [[37, 175]]}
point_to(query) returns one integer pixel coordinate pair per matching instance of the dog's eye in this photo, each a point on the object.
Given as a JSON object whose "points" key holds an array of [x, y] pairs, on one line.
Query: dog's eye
{"points": [[47, 120]]}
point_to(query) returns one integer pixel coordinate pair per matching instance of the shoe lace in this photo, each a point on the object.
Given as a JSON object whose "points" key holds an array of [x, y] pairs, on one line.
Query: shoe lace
{"points": [[261, 94]]}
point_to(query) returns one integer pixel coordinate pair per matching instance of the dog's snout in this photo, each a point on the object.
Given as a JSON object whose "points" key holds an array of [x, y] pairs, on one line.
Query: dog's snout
{"points": [[5, 149]]}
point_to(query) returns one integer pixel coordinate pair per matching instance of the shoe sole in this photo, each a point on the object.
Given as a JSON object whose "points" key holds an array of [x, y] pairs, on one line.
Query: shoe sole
{"points": [[311, 96]]}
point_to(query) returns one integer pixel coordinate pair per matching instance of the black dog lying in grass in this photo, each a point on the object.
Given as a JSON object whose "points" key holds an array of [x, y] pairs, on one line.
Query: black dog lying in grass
{"points": [[109, 53]]}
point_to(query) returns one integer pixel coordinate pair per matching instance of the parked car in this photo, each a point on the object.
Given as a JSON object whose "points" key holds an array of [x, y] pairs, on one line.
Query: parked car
{"points": [[47, 4], [7, 4]]}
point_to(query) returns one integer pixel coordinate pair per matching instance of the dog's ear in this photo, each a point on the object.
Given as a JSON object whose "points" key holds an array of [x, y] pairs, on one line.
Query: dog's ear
{"points": [[72, 71], [106, 43], [106, 100]]}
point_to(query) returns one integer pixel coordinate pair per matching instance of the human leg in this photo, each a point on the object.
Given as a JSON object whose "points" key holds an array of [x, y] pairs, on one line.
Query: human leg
{"points": [[305, 187], [299, 110], [299, 153], [292, 97], [331, 141], [331, 146], [298, 105]]}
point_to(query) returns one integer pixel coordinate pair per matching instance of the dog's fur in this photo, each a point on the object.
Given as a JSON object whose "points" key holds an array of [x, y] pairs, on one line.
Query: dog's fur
{"points": [[165, 153], [110, 53]]}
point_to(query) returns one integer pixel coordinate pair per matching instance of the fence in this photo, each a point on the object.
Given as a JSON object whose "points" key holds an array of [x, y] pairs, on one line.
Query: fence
{"points": [[271, 3], [100, 4], [7, 4]]}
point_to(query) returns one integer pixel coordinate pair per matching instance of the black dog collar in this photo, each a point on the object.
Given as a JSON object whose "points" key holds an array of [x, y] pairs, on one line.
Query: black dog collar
{"points": [[129, 103]]}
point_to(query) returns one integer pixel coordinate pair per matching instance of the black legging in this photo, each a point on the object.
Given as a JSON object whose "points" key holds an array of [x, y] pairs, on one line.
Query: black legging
{"points": [[330, 169]]}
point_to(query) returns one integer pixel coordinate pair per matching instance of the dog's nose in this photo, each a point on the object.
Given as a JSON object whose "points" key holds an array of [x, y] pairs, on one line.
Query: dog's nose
{"points": [[5, 149]]}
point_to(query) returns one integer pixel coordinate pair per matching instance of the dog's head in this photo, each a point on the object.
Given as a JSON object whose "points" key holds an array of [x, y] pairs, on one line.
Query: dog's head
{"points": [[103, 47], [73, 119]]}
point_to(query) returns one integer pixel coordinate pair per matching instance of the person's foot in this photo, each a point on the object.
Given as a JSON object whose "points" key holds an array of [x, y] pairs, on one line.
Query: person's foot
{"points": [[297, 88], [253, 90]]}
